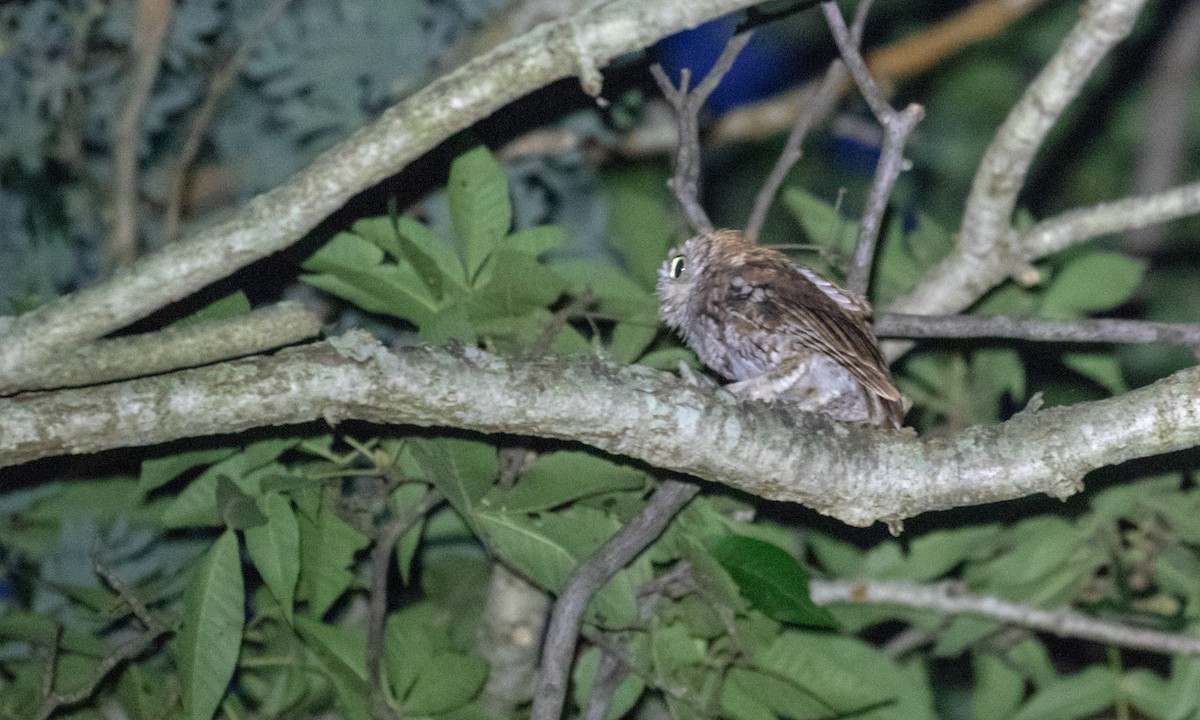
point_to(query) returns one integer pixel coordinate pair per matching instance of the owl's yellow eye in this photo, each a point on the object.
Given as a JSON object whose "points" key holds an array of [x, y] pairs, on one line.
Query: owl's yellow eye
{"points": [[675, 269]]}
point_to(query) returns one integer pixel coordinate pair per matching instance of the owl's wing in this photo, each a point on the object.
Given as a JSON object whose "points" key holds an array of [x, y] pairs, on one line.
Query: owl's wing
{"points": [[822, 316]]}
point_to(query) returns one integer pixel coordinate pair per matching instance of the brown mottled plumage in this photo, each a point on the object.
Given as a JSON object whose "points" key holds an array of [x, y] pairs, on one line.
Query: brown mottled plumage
{"points": [[784, 333]]}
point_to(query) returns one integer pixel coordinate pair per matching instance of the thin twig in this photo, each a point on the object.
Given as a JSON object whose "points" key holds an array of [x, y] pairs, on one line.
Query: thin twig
{"points": [[149, 31], [897, 126], [220, 83], [589, 577], [822, 97], [1186, 335], [155, 628], [949, 598], [381, 555], [685, 182]]}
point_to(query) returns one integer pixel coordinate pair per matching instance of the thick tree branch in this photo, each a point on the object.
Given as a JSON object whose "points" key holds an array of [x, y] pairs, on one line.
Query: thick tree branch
{"points": [[985, 245], [277, 218], [858, 475], [951, 599]]}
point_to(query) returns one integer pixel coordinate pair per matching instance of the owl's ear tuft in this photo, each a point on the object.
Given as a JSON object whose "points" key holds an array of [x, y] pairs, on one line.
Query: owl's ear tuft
{"points": [[675, 269]]}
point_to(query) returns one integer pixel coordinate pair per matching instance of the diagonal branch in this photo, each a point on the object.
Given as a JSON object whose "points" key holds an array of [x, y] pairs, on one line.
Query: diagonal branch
{"points": [[589, 577], [856, 474], [276, 219], [985, 247]]}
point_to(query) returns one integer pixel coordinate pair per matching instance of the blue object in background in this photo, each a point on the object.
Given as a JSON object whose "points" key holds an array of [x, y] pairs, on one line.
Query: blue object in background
{"points": [[768, 64]]}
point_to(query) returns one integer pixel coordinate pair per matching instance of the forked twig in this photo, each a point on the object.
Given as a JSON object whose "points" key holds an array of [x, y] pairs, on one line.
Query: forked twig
{"points": [[685, 182]]}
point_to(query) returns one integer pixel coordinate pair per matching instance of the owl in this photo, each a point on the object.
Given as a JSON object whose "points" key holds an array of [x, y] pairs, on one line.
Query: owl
{"points": [[780, 331]]}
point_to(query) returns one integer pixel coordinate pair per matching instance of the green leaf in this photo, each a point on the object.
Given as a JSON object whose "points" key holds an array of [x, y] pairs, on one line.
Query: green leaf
{"points": [[157, 472], [385, 289], [236, 508], [562, 477], [1093, 283], [622, 699], [479, 205], [446, 682], [210, 637], [821, 221], [440, 250], [196, 504], [936, 553], [630, 339], [344, 251], [342, 656], [844, 674], [771, 580], [1103, 368], [231, 306], [463, 470], [409, 643], [404, 500], [518, 284], [534, 241], [275, 550], [549, 548], [327, 549], [385, 233], [619, 293], [1081, 695], [450, 322], [640, 226]]}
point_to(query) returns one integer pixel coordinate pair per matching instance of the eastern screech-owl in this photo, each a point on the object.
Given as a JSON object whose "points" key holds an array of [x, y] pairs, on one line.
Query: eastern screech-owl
{"points": [[782, 332]]}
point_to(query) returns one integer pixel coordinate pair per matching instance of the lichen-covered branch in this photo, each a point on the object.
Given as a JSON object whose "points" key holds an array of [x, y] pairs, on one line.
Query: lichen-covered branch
{"points": [[856, 474], [279, 217], [173, 348]]}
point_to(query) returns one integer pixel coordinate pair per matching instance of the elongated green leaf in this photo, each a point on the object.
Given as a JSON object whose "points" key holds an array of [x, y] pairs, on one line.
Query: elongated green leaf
{"points": [[386, 289], [772, 580], [404, 499], [327, 549], [342, 656], [1093, 283], [559, 478], [548, 549], [821, 221], [441, 250], [640, 226], [463, 470], [211, 634], [534, 241], [619, 293], [232, 305], [518, 284], [479, 205], [411, 639], [275, 550], [623, 698], [157, 472], [1081, 695], [385, 233]]}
